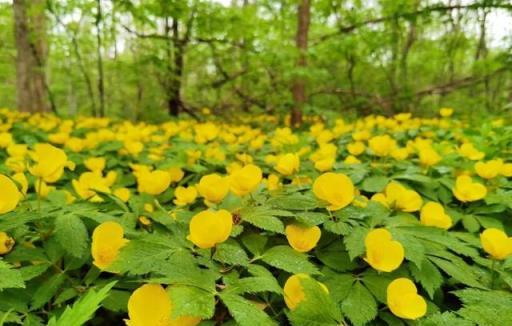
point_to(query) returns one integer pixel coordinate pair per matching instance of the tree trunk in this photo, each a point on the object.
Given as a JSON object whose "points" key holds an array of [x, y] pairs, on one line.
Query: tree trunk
{"points": [[174, 92], [99, 46], [299, 84], [30, 27]]}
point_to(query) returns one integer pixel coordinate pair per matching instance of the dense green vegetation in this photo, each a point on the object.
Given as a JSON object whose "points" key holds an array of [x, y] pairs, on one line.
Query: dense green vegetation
{"points": [[371, 56]]}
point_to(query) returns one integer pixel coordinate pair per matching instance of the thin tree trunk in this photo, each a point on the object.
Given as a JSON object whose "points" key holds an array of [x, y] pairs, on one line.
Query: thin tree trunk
{"points": [[299, 84], [174, 94], [30, 27], [99, 47]]}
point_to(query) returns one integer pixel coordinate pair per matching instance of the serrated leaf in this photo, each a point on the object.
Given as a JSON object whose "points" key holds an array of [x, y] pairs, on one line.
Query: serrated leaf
{"points": [[83, 310], [375, 183], [354, 242], [335, 256], [245, 312], [231, 253], [443, 319], [149, 254], [294, 202], [318, 309], [285, 258], [429, 277], [71, 234], [9, 277], [312, 218], [377, 284], [263, 218], [47, 290], [458, 270], [255, 284], [192, 301], [359, 306]]}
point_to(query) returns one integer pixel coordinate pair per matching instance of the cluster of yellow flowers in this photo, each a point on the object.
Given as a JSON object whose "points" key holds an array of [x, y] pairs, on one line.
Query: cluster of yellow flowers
{"points": [[171, 165]]}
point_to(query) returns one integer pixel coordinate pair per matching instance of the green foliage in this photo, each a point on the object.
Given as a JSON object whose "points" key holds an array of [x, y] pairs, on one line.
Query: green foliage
{"points": [[82, 310]]}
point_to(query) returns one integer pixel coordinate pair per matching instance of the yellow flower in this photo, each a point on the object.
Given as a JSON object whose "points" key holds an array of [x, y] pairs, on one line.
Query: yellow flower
{"points": [[213, 187], [432, 214], [445, 112], [87, 185], [5, 139], [154, 182], [95, 164], [469, 151], [382, 252], [293, 291], [400, 154], [22, 181], [466, 190], [123, 194], [334, 188], [351, 160], [496, 243], [429, 157], [9, 195], [150, 305], [356, 148], [404, 301], [185, 196], [288, 164], [273, 182], [42, 189], [302, 238], [6, 243], [397, 196], [506, 170], [50, 162], [107, 240], [245, 180], [209, 228], [489, 169], [382, 145], [176, 174]]}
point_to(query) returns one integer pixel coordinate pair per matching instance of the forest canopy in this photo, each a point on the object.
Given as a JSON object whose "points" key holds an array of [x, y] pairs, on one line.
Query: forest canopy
{"points": [[144, 59]]}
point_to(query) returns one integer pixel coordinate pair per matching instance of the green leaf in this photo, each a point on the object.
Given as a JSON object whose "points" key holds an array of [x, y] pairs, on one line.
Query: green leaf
{"points": [[150, 253], [285, 258], [489, 308], [339, 285], [47, 290], [443, 319], [312, 218], [375, 183], [294, 202], [470, 223], [429, 276], [192, 301], [335, 256], [255, 284], [71, 234], [377, 284], [354, 242], [231, 253], [359, 306], [83, 310], [318, 309], [245, 312], [263, 218], [9, 277], [255, 242], [459, 270]]}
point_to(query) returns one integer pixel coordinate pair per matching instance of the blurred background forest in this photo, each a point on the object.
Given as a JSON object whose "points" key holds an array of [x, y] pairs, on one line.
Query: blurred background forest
{"points": [[146, 59]]}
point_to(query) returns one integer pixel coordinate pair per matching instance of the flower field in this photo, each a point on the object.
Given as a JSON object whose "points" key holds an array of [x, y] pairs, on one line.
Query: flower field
{"points": [[376, 221]]}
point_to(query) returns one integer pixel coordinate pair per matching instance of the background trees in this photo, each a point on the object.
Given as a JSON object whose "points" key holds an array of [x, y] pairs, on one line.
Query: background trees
{"points": [[147, 59]]}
